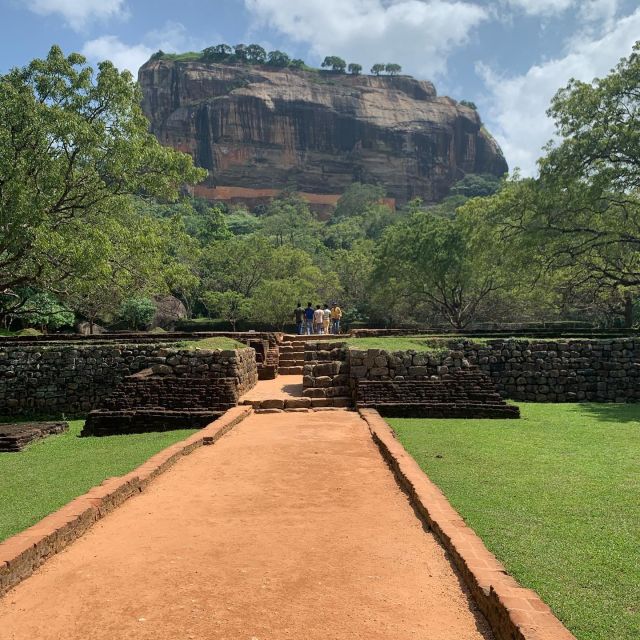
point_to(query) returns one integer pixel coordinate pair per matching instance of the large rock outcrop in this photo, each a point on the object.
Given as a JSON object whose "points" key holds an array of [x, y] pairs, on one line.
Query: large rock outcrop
{"points": [[259, 128]]}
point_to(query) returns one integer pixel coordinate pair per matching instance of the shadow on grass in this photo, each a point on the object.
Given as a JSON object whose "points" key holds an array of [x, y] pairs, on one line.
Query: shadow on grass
{"points": [[609, 412]]}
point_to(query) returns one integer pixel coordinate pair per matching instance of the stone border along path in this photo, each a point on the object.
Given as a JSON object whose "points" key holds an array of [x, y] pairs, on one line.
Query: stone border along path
{"points": [[291, 526], [515, 613]]}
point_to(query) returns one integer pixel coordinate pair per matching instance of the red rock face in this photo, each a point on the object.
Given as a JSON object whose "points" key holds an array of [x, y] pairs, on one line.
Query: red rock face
{"points": [[262, 128]]}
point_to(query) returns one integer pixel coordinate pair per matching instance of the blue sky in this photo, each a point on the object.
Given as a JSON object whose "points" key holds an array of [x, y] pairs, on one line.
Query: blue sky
{"points": [[508, 56]]}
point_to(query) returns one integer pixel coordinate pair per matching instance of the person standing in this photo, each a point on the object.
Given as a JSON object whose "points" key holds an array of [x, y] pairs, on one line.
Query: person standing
{"points": [[318, 317], [308, 319], [326, 318], [336, 316], [298, 314]]}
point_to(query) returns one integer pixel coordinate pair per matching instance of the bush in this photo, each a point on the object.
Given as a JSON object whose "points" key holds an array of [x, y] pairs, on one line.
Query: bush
{"points": [[29, 332], [137, 313]]}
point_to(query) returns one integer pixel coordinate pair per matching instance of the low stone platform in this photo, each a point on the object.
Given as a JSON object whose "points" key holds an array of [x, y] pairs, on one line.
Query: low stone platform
{"points": [[104, 422], [15, 437], [466, 393], [149, 401]]}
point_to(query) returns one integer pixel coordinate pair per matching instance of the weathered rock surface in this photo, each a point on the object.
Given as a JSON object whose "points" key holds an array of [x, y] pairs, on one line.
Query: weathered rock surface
{"points": [[260, 128]]}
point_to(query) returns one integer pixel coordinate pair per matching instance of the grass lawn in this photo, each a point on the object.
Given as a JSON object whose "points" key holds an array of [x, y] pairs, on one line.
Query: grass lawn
{"points": [[50, 473], [422, 344], [211, 344], [556, 497]]}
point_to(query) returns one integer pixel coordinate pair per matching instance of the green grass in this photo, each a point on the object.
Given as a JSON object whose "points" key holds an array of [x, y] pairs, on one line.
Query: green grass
{"points": [[211, 344], [556, 497], [423, 344], [50, 473]]}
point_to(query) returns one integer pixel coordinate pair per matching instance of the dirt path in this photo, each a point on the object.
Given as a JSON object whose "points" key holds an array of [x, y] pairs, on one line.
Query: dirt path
{"points": [[290, 527]]}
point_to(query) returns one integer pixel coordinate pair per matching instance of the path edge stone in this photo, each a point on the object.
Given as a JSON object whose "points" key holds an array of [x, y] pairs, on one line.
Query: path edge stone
{"points": [[513, 612], [23, 553]]}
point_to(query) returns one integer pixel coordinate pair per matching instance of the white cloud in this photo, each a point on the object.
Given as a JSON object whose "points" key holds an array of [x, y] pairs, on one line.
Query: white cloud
{"points": [[78, 13], [122, 55], [516, 106], [173, 37], [417, 34], [587, 10]]}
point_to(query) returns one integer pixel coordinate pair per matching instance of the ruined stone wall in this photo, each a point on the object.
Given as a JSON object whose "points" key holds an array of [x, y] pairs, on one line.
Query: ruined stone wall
{"points": [[561, 371], [72, 379], [539, 371]]}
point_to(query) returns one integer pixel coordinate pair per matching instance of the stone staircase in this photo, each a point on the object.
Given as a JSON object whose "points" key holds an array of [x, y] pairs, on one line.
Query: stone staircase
{"points": [[291, 361]]}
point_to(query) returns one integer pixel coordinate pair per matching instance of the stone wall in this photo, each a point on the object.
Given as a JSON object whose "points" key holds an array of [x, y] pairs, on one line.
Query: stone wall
{"points": [[605, 370], [72, 379], [561, 371], [326, 373]]}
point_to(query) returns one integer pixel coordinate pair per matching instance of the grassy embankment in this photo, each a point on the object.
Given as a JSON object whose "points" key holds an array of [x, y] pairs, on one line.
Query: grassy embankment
{"points": [[556, 497]]}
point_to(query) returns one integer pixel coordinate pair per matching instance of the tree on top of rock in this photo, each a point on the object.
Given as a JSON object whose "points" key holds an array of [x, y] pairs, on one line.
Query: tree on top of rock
{"points": [[256, 54], [218, 52], [392, 68], [355, 69], [335, 63], [378, 68], [278, 59], [240, 53]]}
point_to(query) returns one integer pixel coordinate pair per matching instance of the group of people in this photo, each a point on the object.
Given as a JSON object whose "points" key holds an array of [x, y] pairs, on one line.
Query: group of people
{"points": [[319, 320]]}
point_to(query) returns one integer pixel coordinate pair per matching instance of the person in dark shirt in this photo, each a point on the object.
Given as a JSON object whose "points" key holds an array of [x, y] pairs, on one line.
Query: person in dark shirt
{"points": [[298, 314], [308, 317]]}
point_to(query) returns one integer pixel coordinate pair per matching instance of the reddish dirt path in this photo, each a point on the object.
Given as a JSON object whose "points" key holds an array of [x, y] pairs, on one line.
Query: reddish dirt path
{"points": [[290, 527], [280, 388]]}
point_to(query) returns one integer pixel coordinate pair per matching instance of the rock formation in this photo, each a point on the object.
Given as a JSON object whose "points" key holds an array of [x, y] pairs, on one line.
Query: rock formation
{"points": [[257, 129]]}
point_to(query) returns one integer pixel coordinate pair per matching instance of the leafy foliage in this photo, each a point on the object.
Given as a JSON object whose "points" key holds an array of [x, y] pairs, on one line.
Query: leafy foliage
{"points": [[137, 313], [74, 147]]}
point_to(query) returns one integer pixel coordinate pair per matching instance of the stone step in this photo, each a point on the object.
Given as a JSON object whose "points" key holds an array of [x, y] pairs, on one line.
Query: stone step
{"points": [[290, 371], [299, 404], [291, 362]]}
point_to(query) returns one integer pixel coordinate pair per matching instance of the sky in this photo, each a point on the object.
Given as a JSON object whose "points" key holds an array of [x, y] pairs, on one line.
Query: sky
{"points": [[507, 56]]}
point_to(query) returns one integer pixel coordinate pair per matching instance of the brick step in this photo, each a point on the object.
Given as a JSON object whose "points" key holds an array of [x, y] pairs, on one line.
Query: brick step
{"points": [[298, 404], [290, 371], [285, 360]]}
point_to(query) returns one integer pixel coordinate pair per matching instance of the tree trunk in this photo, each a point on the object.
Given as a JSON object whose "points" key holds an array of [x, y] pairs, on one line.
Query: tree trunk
{"points": [[628, 310]]}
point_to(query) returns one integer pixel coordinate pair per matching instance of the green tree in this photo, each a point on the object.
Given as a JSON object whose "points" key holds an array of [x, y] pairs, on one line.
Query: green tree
{"points": [[240, 53], [278, 59], [217, 53], [335, 63], [41, 309], [289, 221], [74, 146], [127, 254], [274, 300], [584, 210], [437, 266], [356, 198], [468, 103], [297, 63], [137, 313], [476, 184], [392, 68], [378, 68], [355, 68], [228, 305], [256, 54]]}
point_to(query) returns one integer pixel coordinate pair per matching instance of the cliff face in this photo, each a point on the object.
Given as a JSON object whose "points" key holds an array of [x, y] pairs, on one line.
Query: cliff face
{"points": [[261, 128]]}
